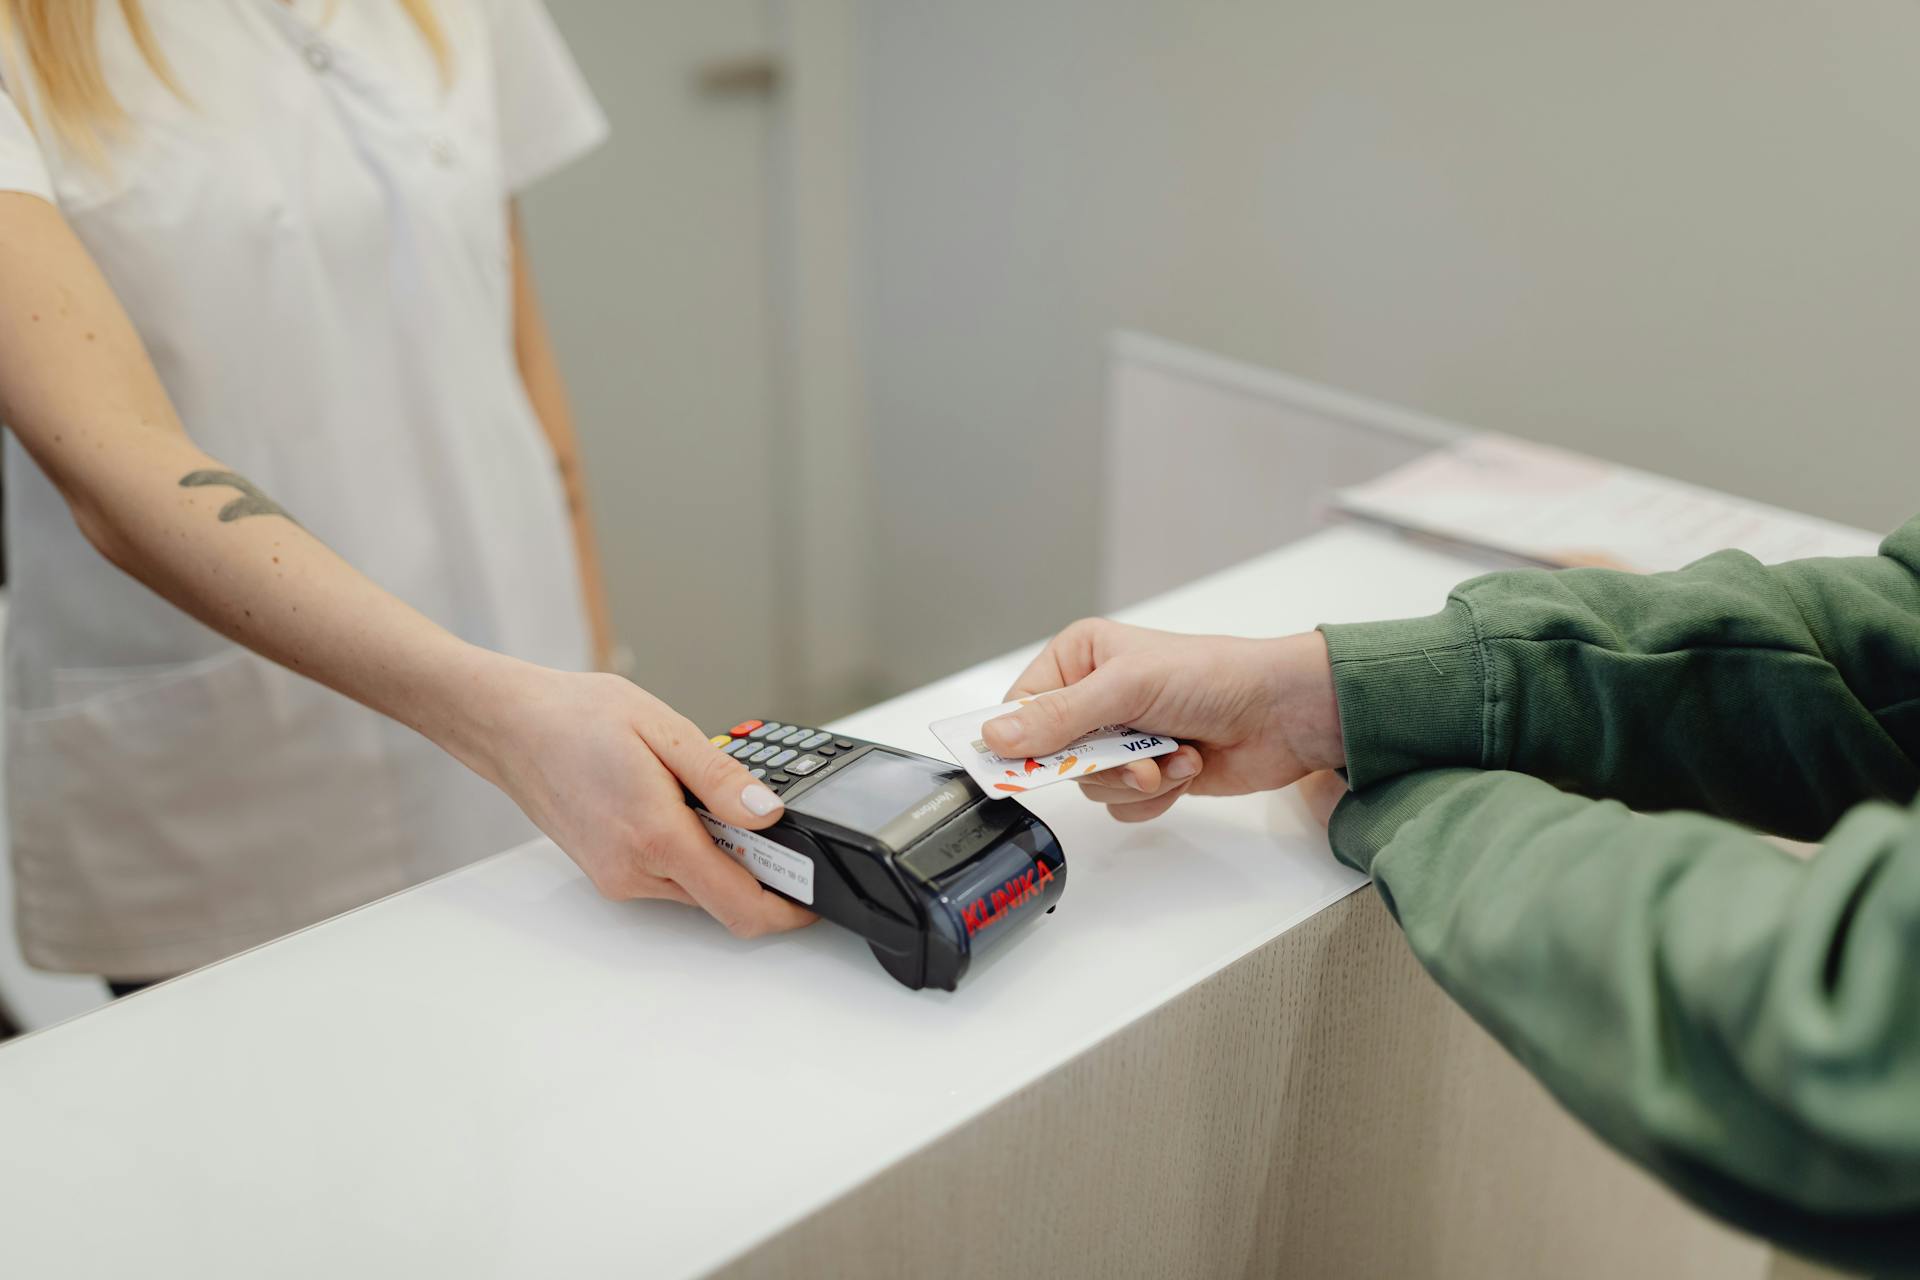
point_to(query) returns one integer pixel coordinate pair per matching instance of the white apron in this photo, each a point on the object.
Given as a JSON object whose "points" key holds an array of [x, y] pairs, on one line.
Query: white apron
{"points": [[315, 252]]}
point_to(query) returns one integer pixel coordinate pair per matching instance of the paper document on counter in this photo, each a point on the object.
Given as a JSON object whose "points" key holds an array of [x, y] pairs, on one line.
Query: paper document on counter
{"points": [[1559, 508]]}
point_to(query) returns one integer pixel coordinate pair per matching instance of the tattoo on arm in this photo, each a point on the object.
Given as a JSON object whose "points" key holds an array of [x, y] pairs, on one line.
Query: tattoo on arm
{"points": [[251, 502]]}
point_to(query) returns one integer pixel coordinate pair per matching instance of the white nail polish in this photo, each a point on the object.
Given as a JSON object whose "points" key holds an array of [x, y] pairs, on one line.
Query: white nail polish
{"points": [[759, 801]]}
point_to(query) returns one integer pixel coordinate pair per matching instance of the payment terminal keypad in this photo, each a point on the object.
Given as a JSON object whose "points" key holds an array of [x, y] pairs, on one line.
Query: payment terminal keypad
{"points": [[781, 754]]}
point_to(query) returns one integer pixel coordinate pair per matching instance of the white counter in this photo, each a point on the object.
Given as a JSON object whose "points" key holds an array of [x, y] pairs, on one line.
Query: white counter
{"points": [[498, 1073]]}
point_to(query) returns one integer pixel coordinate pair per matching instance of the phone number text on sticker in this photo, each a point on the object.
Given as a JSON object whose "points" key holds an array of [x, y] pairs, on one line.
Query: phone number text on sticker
{"points": [[773, 865]]}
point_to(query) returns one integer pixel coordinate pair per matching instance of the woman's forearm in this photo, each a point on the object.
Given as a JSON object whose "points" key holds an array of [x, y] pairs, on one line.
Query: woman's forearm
{"points": [[212, 543], [597, 763], [84, 400]]}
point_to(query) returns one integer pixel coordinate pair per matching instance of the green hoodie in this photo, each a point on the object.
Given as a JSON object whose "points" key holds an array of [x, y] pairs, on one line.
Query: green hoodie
{"points": [[1743, 1023]]}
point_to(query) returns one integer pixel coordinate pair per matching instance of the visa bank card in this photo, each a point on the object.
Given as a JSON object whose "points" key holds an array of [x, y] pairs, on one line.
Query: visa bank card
{"points": [[1104, 748]]}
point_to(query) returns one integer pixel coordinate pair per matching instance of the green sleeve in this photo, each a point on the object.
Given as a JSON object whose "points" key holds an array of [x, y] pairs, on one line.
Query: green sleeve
{"points": [[1744, 1024], [1776, 696]]}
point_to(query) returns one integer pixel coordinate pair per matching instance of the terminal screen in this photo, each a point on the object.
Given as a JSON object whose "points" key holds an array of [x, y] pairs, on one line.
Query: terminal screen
{"points": [[877, 787]]}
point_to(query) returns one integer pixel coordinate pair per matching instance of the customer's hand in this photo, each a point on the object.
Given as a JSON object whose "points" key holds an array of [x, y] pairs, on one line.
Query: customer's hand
{"points": [[597, 762], [1252, 714]]}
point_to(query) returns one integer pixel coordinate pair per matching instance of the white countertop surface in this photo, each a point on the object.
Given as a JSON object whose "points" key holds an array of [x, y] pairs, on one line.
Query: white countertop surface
{"points": [[498, 1073]]}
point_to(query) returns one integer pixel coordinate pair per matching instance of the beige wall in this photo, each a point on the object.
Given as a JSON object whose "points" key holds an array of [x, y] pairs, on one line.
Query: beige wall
{"points": [[1675, 235], [697, 272]]}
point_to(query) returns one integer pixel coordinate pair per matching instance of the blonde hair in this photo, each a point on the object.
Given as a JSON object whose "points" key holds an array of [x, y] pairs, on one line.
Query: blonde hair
{"points": [[56, 41]]}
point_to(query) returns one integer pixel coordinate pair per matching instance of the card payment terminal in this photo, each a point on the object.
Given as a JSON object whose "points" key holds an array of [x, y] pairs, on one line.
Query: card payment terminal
{"points": [[904, 850]]}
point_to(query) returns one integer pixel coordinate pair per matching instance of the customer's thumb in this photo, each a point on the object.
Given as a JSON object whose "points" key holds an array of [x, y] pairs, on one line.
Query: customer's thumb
{"points": [[1053, 720]]}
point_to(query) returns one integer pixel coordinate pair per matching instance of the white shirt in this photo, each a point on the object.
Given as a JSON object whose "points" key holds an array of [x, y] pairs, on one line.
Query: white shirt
{"points": [[314, 248]]}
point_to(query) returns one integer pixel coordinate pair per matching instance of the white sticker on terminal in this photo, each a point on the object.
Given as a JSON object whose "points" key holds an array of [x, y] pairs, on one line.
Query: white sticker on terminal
{"points": [[773, 865]]}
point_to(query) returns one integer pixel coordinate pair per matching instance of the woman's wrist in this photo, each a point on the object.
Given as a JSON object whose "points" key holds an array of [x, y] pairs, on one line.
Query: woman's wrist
{"points": [[472, 702]]}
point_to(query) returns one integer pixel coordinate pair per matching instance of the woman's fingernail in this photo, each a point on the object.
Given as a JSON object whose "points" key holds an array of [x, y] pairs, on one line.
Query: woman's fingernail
{"points": [[1183, 766], [759, 801]]}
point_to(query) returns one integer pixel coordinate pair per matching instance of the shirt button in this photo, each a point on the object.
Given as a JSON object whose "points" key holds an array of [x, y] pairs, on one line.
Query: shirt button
{"points": [[319, 57], [441, 148]]}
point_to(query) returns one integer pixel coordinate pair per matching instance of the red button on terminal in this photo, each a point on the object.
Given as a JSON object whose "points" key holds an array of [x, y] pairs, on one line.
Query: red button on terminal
{"points": [[745, 727]]}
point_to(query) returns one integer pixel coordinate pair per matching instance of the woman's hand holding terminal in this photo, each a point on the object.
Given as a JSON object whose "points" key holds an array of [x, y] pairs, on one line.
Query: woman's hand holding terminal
{"points": [[598, 763]]}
